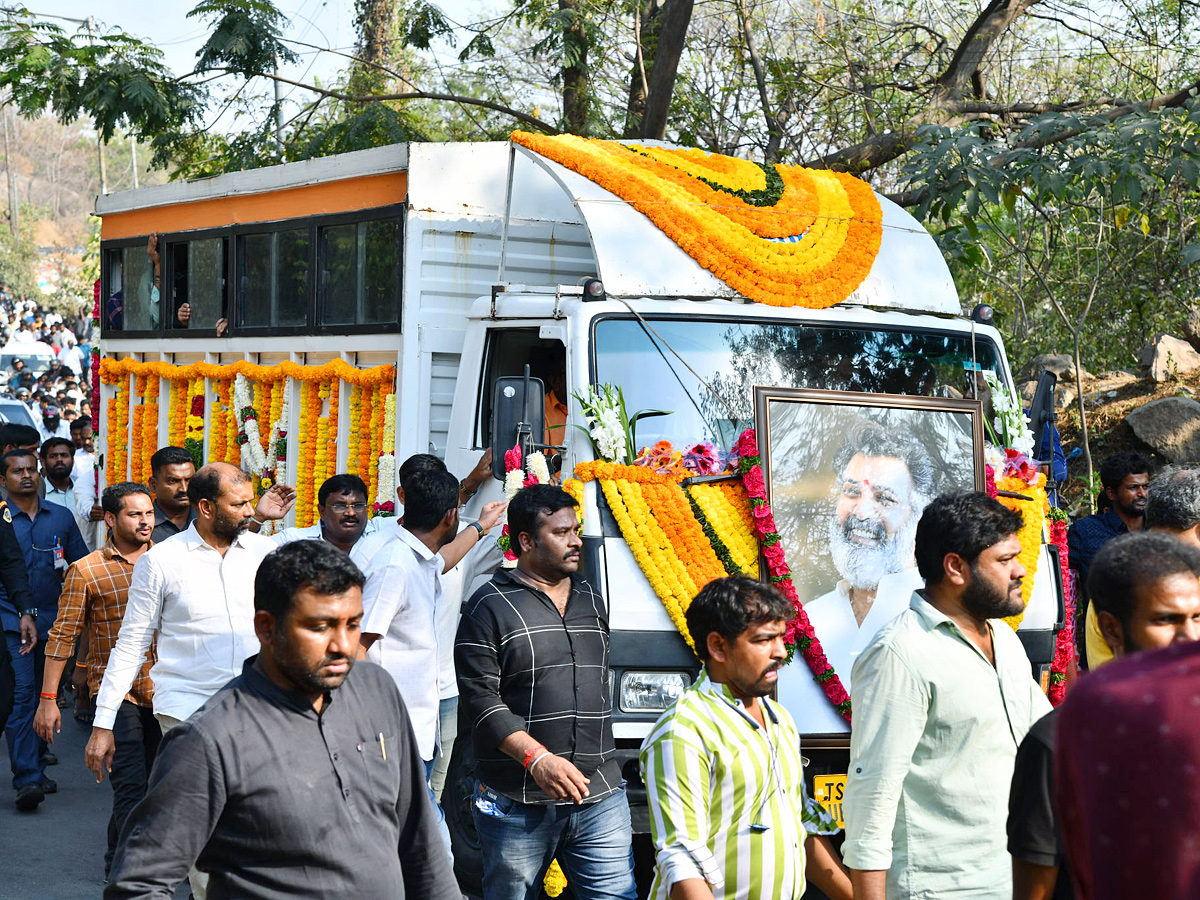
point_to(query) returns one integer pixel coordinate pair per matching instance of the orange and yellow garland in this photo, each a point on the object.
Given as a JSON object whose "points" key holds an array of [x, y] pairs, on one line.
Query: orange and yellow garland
{"points": [[370, 390], [781, 235], [1033, 514]]}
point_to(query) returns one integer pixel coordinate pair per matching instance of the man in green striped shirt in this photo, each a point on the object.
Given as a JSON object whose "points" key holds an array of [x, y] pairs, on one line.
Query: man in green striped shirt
{"points": [[722, 767]]}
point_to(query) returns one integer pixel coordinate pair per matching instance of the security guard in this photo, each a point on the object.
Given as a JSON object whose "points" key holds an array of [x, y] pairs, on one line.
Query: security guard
{"points": [[15, 579]]}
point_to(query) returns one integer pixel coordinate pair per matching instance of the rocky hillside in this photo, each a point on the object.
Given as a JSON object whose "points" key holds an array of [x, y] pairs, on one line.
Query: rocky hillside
{"points": [[1155, 410]]}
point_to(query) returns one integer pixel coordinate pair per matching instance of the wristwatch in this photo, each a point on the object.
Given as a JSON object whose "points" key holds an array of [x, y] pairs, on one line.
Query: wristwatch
{"points": [[29, 612], [477, 527]]}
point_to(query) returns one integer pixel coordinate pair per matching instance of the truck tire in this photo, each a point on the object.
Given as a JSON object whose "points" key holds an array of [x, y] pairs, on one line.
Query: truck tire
{"points": [[457, 796]]}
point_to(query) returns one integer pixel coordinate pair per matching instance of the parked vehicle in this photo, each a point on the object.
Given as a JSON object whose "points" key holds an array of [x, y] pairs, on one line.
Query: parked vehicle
{"points": [[462, 263]]}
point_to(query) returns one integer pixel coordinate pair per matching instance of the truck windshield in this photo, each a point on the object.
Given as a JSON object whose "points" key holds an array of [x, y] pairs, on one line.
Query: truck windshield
{"points": [[733, 357]]}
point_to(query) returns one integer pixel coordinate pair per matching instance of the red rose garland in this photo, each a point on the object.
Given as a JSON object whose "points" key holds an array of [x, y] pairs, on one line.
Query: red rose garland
{"points": [[800, 634], [1064, 649]]}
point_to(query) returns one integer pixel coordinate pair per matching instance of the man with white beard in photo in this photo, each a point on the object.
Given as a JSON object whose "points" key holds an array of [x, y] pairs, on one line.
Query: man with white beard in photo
{"points": [[884, 479]]}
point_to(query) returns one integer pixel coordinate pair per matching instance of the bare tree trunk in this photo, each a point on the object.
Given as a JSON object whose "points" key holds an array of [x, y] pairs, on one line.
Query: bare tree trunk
{"points": [[774, 133], [1083, 428], [576, 94], [646, 19], [676, 18]]}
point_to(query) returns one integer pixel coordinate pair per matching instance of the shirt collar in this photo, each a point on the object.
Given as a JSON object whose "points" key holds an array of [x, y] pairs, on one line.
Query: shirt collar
{"points": [[110, 551], [295, 700], [423, 552], [934, 617], [705, 685], [160, 517], [194, 542]]}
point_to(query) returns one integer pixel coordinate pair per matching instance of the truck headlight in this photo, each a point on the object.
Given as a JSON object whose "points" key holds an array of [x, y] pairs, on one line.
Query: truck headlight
{"points": [[650, 691]]}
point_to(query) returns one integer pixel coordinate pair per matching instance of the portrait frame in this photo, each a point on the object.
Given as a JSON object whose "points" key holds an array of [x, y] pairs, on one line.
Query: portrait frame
{"points": [[801, 433]]}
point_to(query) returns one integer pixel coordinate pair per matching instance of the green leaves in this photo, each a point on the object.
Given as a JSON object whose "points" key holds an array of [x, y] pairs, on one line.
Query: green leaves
{"points": [[245, 36]]}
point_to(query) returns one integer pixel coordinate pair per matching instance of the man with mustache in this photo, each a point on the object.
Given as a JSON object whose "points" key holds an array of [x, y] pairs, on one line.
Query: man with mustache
{"points": [[883, 481], [724, 739], [533, 680], [342, 509], [50, 541], [171, 468], [299, 778], [402, 592], [942, 699], [196, 591], [93, 604]]}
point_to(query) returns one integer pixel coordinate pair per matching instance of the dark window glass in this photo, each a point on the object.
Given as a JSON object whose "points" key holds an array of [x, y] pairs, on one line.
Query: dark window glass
{"points": [[273, 278], [132, 303], [360, 277], [732, 357], [198, 279]]}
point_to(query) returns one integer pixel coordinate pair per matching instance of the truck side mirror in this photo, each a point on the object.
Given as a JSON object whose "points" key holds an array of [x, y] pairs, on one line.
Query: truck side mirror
{"points": [[518, 416]]}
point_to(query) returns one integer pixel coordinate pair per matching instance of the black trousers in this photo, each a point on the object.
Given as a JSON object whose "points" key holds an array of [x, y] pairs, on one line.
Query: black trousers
{"points": [[137, 736]]}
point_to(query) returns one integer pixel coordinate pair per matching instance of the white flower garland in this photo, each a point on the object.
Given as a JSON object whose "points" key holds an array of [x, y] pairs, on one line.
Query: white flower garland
{"points": [[254, 460], [1012, 429]]}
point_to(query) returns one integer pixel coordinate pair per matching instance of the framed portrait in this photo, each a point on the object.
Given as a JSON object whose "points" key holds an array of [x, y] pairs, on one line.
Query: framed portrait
{"points": [[848, 475]]}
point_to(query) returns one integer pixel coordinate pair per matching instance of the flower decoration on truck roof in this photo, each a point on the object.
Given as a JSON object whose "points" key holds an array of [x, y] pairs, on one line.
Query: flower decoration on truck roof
{"points": [[781, 235]]}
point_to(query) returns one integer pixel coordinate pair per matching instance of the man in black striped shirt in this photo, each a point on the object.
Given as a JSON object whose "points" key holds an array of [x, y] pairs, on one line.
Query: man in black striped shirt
{"points": [[533, 678]]}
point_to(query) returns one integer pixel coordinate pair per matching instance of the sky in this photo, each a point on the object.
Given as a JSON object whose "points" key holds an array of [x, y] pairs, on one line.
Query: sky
{"points": [[324, 23]]}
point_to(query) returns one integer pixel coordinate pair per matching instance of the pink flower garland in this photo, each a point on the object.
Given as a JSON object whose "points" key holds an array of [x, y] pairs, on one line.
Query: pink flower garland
{"points": [[800, 634], [1064, 648], [1064, 645]]}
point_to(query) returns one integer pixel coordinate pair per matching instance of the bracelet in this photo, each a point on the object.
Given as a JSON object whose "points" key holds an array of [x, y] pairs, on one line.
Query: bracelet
{"points": [[80, 665], [538, 760], [46, 696], [532, 753], [470, 492]]}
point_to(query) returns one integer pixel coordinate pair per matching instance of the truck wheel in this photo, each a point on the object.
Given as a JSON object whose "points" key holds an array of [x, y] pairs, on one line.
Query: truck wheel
{"points": [[457, 797]]}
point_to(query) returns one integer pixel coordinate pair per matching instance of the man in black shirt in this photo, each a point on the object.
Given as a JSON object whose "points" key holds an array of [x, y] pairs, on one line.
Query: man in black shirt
{"points": [[1147, 595], [533, 679], [299, 778]]}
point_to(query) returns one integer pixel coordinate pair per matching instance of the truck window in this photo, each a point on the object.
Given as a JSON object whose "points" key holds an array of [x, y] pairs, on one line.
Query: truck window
{"points": [[197, 278], [130, 302], [732, 357], [273, 278], [360, 273], [508, 351]]}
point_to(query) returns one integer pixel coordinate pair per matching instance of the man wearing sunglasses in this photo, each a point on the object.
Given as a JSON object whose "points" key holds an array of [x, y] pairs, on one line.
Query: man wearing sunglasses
{"points": [[343, 510]]}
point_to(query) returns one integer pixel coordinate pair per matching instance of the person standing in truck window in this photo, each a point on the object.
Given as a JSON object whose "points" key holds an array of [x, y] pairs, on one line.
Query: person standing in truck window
{"points": [[1146, 592], [942, 698], [534, 685], [724, 740]]}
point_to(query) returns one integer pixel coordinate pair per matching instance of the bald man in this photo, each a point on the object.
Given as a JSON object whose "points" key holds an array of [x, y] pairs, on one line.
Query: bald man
{"points": [[196, 589]]}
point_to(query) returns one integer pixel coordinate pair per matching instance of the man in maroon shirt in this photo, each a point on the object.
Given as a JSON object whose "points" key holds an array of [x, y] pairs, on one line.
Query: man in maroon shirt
{"points": [[1127, 767]]}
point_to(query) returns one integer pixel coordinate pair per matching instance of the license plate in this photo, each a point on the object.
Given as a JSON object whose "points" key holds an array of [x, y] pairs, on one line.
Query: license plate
{"points": [[828, 790]]}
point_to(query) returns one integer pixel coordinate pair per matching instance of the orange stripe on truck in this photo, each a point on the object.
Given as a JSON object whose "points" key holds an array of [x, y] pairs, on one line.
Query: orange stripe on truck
{"points": [[346, 195]]}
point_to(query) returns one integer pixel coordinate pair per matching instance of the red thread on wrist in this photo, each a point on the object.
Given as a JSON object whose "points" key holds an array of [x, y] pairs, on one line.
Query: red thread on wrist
{"points": [[532, 753], [46, 696]]}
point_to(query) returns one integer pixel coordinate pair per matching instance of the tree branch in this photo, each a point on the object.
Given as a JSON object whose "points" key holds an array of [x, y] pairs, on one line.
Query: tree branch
{"points": [[771, 154], [527, 119]]}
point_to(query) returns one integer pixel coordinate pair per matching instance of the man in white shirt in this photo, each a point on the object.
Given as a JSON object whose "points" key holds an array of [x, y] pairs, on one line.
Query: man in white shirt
{"points": [[53, 425], [88, 511], [342, 515], [197, 590], [72, 357]]}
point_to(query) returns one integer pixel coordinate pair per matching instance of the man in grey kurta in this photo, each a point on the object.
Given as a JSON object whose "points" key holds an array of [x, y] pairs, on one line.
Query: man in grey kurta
{"points": [[942, 699], [299, 778]]}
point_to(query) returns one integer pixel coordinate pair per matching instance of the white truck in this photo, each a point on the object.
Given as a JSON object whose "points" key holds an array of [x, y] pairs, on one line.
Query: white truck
{"points": [[458, 264]]}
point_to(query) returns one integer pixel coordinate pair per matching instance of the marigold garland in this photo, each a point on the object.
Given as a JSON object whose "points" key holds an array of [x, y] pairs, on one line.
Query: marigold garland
{"points": [[1033, 517], [338, 368], [734, 530], [555, 881], [727, 222]]}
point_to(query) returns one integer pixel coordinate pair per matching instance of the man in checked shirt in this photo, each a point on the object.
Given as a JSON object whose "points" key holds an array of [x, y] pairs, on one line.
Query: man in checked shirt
{"points": [[93, 598]]}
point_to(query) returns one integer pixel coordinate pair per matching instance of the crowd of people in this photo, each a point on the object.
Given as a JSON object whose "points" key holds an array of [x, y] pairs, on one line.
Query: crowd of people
{"points": [[275, 707]]}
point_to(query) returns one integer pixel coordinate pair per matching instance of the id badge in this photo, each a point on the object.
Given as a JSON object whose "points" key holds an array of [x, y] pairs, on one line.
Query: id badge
{"points": [[60, 560]]}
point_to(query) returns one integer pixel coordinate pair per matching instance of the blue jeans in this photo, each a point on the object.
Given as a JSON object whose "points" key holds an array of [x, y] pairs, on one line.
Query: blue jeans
{"points": [[25, 748], [593, 843]]}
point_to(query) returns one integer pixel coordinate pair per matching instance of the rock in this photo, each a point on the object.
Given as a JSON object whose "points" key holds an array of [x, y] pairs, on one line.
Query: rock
{"points": [[1167, 357], [1169, 426], [1064, 393], [1191, 327], [1061, 364]]}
